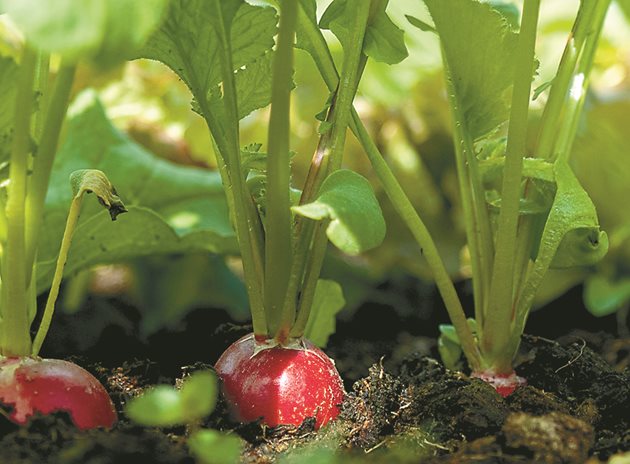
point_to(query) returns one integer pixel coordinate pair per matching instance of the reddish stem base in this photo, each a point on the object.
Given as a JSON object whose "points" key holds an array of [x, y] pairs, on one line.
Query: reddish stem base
{"points": [[504, 384]]}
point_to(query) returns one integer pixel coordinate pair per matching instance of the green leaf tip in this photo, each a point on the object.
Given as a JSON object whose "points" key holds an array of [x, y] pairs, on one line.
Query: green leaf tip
{"points": [[95, 181]]}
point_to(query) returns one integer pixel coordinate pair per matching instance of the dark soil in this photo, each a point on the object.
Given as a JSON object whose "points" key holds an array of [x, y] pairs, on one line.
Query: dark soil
{"points": [[402, 406]]}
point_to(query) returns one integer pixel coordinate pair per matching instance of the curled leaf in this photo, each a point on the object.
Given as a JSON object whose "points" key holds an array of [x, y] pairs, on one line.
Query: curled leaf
{"points": [[95, 181], [571, 235]]}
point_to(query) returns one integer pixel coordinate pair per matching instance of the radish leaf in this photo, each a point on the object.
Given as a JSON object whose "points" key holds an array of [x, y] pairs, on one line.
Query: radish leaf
{"points": [[347, 200], [327, 303], [95, 181], [479, 51], [188, 43], [384, 41], [571, 234]]}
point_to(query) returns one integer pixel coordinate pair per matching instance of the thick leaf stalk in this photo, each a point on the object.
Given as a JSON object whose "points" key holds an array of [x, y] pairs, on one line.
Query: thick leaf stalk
{"points": [[16, 340], [278, 221]]}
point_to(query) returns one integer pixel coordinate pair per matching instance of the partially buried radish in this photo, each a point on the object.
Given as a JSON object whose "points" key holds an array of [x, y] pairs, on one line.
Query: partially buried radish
{"points": [[34, 385], [280, 384]]}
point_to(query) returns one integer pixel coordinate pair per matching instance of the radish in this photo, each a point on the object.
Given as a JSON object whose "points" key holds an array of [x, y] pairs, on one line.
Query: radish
{"points": [[35, 385], [280, 384]]}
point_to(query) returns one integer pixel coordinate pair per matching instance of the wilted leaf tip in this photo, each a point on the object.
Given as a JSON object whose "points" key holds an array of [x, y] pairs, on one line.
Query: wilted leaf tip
{"points": [[95, 181]]}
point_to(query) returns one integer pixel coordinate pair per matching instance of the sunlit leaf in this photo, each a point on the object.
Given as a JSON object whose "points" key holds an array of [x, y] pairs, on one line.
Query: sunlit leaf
{"points": [[573, 218], [189, 43], [479, 51]]}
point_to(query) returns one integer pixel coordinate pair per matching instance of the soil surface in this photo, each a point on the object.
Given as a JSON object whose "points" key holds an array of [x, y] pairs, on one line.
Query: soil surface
{"points": [[402, 404]]}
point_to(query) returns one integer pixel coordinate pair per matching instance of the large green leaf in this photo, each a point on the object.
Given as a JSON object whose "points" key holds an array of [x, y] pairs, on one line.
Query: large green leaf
{"points": [[253, 88], [188, 43], [107, 31], [171, 208], [383, 41], [479, 51], [346, 199], [327, 303], [168, 287]]}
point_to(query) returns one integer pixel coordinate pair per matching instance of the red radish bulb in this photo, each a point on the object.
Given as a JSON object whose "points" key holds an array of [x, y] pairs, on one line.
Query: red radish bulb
{"points": [[280, 384], [504, 384], [30, 385]]}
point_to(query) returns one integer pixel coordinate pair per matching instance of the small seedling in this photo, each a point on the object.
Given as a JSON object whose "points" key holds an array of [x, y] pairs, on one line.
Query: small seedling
{"points": [[165, 406]]}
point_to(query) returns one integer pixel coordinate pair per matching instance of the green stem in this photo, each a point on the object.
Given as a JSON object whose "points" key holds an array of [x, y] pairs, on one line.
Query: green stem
{"points": [[316, 259], [245, 215], [71, 223], [400, 201], [498, 320], [41, 87], [332, 152], [552, 118], [16, 340], [278, 221], [42, 167], [579, 82], [473, 205]]}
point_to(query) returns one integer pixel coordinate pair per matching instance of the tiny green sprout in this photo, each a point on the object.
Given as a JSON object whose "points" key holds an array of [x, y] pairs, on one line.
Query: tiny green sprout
{"points": [[166, 406], [212, 447]]}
